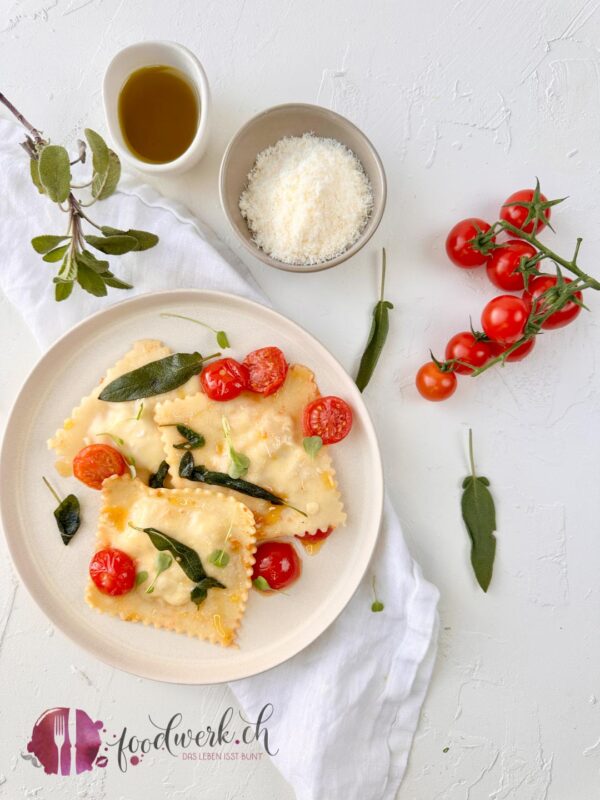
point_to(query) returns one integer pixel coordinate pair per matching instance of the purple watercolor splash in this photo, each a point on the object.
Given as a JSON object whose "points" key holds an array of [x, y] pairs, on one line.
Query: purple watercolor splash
{"points": [[74, 757]]}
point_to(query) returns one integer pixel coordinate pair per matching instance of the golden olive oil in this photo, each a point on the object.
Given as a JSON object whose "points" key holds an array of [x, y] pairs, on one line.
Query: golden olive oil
{"points": [[158, 113]]}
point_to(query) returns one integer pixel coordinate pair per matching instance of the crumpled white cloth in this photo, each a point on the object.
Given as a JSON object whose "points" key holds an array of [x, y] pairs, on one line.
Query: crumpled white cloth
{"points": [[348, 705]]}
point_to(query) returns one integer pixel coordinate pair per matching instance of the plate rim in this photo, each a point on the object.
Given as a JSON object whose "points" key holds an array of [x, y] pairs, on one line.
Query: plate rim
{"points": [[21, 562]]}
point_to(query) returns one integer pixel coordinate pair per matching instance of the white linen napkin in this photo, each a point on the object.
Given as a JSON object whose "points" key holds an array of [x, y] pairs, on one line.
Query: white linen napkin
{"points": [[348, 705]]}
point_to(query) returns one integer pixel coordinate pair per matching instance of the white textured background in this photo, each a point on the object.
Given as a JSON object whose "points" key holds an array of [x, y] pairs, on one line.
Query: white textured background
{"points": [[466, 101]]}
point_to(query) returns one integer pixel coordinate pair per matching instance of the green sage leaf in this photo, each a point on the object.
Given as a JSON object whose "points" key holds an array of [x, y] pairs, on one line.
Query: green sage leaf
{"points": [[115, 283], [89, 280], [104, 183], [377, 337], [99, 150], [144, 239], [92, 262], [55, 172], [193, 439], [187, 558], [479, 515], [43, 244], [154, 378], [312, 445], [200, 591], [55, 255], [68, 270], [67, 514], [34, 171], [220, 558], [112, 245], [62, 290], [157, 479]]}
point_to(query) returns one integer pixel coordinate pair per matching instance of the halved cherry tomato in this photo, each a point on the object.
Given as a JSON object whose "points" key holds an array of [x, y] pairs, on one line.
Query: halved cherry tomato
{"points": [[278, 563], [267, 369], [540, 284], [329, 417], [516, 213], [466, 347], [112, 571], [503, 318], [458, 243], [96, 462], [434, 383], [317, 536], [224, 379], [503, 263]]}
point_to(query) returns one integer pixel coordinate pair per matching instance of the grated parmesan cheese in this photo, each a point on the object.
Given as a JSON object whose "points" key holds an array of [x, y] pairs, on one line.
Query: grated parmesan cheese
{"points": [[307, 199]]}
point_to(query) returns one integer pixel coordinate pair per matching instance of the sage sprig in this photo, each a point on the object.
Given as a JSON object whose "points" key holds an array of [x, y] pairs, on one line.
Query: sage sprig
{"points": [[377, 337], [67, 514], [154, 378], [50, 170], [479, 515]]}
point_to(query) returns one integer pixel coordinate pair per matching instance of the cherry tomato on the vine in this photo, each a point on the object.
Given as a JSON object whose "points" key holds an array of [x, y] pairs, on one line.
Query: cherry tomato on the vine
{"points": [[466, 347], [540, 284], [96, 462], [519, 354], [224, 379], [267, 369], [278, 563], [435, 383], [503, 263], [503, 319], [112, 571], [459, 243], [514, 211], [328, 417]]}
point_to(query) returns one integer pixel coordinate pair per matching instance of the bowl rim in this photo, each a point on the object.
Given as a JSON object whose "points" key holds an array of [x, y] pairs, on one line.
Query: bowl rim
{"points": [[372, 223], [197, 77]]}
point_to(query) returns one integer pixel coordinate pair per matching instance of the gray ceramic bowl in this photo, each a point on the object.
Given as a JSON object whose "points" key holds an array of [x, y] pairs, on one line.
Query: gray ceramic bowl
{"points": [[294, 119]]}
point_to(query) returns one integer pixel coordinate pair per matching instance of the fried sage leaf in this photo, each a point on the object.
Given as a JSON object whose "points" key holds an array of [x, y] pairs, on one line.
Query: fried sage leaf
{"points": [[200, 591], [479, 514], [157, 479], [193, 439], [189, 470], [187, 558], [377, 337], [154, 378], [67, 514]]}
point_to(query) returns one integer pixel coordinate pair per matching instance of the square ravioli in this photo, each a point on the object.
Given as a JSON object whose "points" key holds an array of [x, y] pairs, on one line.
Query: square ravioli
{"points": [[205, 521], [121, 425], [268, 430]]}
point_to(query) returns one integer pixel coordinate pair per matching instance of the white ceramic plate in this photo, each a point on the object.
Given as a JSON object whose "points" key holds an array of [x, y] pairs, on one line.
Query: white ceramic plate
{"points": [[274, 628]]}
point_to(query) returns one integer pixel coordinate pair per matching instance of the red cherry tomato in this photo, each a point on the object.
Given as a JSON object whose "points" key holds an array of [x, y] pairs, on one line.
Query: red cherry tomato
{"points": [[517, 355], [465, 347], [435, 384], [540, 284], [278, 563], [514, 212], [503, 318], [502, 265], [328, 417], [112, 571], [267, 369], [317, 536], [224, 379], [96, 462], [458, 243]]}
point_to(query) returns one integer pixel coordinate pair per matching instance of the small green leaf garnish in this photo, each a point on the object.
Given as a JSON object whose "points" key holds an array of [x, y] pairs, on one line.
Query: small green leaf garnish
{"points": [[479, 515], [116, 439], [240, 463], [157, 479], [379, 330], [220, 558], [67, 514], [141, 577], [221, 336], [163, 562], [261, 584], [376, 605], [199, 592], [312, 445], [193, 439]]}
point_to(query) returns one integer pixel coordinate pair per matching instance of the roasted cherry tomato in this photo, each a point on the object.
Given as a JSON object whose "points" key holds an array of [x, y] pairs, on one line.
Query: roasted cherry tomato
{"points": [[503, 263], [466, 347], [317, 536], [458, 243], [224, 379], [503, 318], [267, 369], [434, 383], [516, 213], [96, 462], [112, 571], [540, 284], [278, 563], [328, 417]]}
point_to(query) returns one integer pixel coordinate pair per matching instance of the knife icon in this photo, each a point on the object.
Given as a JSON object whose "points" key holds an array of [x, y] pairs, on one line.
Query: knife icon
{"points": [[73, 741]]}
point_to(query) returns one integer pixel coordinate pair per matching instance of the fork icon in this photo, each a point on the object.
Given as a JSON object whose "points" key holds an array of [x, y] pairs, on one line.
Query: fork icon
{"points": [[59, 739]]}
